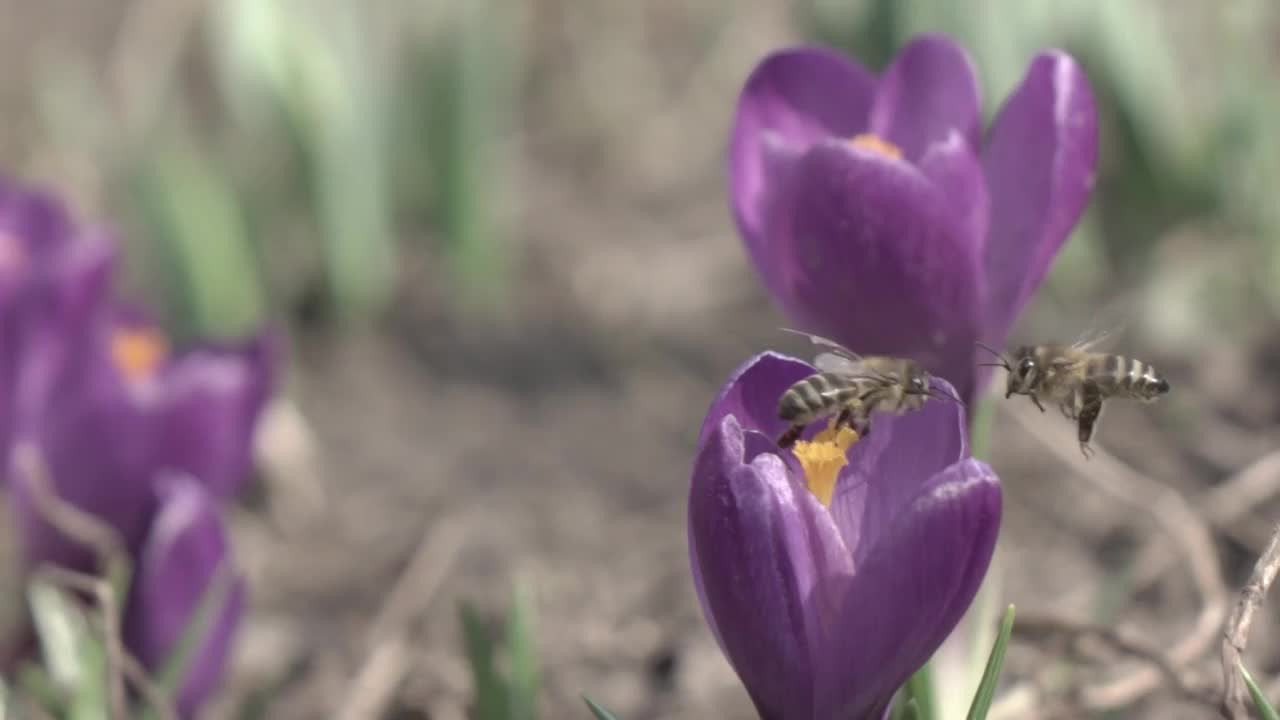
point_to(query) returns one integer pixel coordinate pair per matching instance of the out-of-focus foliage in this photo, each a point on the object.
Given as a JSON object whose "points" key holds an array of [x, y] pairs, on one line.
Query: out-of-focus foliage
{"points": [[332, 134], [1187, 144]]}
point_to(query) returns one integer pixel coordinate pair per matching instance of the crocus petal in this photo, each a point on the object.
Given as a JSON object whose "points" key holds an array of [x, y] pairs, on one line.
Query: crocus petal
{"points": [[797, 97], [207, 409], [38, 221], [888, 468], [752, 392], [1039, 163], [185, 551], [929, 90], [763, 549], [911, 590], [954, 167], [876, 258]]}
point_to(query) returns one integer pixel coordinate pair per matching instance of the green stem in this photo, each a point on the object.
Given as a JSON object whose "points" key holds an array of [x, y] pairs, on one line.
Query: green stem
{"points": [[920, 689], [980, 427]]}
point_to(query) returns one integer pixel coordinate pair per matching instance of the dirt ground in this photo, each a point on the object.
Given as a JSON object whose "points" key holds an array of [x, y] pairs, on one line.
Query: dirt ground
{"points": [[437, 454]]}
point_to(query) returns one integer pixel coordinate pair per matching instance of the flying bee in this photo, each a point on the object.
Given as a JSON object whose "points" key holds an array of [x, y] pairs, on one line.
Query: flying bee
{"points": [[1079, 379], [853, 387]]}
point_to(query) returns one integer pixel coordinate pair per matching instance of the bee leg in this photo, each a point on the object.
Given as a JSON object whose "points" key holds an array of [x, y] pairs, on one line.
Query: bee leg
{"points": [[845, 419], [1036, 400], [1090, 411], [788, 438]]}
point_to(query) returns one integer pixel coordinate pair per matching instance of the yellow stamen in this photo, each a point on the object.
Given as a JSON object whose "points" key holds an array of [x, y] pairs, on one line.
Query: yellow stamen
{"points": [[138, 352], [875, 143], [823, 458]]}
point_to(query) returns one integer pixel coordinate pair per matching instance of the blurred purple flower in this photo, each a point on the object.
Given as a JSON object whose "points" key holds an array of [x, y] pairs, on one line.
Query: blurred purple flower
{"points": [[824, 611], [876, 216], [144, 439]]}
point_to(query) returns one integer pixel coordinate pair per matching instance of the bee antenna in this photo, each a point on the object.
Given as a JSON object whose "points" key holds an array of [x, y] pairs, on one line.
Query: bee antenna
{"points": [[1004, 362]]}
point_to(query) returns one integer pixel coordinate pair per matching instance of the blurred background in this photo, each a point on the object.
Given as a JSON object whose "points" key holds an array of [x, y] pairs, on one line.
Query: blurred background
{"points": [[497, 237]]}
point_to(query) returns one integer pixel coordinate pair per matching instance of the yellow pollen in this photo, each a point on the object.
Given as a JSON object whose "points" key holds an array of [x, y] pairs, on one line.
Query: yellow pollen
{"points": [[138, 352], [875, 143], [823, 458]]}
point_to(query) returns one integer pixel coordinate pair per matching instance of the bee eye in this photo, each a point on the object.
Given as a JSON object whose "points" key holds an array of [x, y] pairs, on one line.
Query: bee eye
{"points": [[1026, 366], [917, 383]]}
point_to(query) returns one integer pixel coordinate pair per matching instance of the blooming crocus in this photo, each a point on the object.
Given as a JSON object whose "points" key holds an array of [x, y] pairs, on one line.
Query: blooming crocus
{"points": [[144, 438], [825, 602], [875, 212]]}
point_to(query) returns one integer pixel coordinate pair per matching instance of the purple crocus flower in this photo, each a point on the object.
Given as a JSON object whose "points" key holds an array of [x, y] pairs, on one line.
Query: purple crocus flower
{"points": [[875, 213], [145, 439], [827, 585]]}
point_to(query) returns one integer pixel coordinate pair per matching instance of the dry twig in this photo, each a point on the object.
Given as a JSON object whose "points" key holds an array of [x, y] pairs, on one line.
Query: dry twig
{"points": [[388, 660], [1039, 628], [1236, 633], [1171, 512]]}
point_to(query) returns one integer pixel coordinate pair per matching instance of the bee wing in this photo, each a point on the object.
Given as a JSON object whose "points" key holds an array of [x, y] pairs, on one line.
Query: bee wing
{"points": [[834, 363], [1108, 325], [835, 347]]}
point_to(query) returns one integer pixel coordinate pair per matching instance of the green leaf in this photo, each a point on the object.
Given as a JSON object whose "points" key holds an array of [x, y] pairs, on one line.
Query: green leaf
{"points": [[1259, 700], [919, 689], [599, 712], [490, 689], [987, 688], [36, 685], [523, 683], [911, 710], [75, 658]]}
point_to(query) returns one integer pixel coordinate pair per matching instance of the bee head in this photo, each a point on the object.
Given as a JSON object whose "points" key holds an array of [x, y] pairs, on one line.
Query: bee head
{"points": [[1024, 372]]}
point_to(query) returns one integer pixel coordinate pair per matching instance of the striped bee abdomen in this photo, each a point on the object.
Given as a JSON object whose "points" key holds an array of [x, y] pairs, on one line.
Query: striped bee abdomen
{"points": [[815, 396], [1126, 377]]}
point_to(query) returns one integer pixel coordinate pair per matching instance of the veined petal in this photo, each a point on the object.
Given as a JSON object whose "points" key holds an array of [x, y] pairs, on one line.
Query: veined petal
{"points": [[796, 97], [1039, 163], [889, 468], [910, 591], [870, 253], [185, 551], [764, 554], [929, 90]]}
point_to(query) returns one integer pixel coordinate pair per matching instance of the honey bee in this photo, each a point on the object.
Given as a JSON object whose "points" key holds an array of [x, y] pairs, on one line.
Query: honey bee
{"points": [[853, 386], [1079, 379]]}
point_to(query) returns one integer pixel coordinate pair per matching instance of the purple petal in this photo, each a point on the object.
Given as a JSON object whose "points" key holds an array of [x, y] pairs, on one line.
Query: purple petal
{"points": [[36, 220], [1039, 163], [797, 97], [911, 590], [888, 469], [207, 411], [185, 551], [762, 551], [869, 252], [751, 394], [929, 90], [953, 166]]}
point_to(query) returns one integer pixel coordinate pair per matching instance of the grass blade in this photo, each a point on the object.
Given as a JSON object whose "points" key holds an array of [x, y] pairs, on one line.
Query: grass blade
{"points": [[522, 686], [490, 689], [987, 688], [599, 712], [1264, 707]]}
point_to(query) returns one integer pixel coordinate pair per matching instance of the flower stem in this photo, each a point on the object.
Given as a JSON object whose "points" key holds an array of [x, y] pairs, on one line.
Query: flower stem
{"points": [[920, 688], [980, 427]]}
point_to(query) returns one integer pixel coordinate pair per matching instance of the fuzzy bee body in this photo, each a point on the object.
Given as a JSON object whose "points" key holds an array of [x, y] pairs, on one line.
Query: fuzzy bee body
{"points": [[1079, 381], [852, 387]]}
